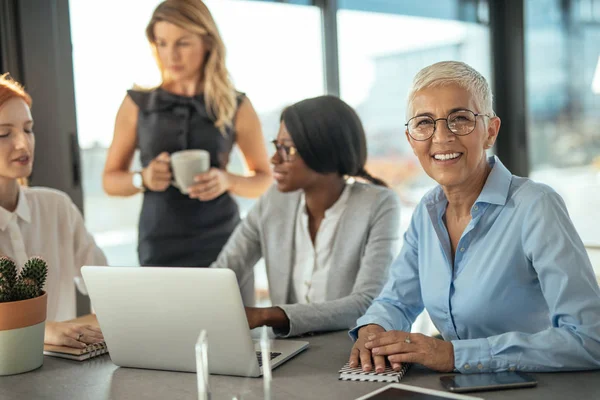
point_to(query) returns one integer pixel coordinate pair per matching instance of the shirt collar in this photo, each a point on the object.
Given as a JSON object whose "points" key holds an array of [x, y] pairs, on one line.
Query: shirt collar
{"points": [[22, 211], [497, 185], [495, 190], [337, 207]]}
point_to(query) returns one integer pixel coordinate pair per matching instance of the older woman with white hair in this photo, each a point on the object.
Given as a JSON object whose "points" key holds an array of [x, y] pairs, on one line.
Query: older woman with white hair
{"points": [[494, 258]]}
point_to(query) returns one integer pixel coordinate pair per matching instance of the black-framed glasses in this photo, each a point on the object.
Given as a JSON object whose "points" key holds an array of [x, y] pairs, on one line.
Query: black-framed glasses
{"points": [[460, 123], [286, 152]]}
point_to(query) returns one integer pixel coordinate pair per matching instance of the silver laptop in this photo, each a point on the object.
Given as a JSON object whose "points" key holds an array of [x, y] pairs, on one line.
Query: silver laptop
{"points": [[151, 318]]}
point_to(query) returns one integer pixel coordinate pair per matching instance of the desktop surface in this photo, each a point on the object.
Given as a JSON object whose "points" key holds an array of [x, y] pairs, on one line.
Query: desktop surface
{"points": [[312, 374]]}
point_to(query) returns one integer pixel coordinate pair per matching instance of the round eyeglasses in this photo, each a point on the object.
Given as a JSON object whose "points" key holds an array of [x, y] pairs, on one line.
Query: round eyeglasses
{"points": [[286, 152], [460, 123]]}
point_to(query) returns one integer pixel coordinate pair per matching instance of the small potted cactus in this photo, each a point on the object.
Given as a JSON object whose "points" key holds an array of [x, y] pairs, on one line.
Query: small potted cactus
{"points": [[22, 315]]}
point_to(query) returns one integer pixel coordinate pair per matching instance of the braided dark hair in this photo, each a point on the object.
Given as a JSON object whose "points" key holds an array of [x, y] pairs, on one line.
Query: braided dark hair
{"points": [[329, 136], [362, 173]]}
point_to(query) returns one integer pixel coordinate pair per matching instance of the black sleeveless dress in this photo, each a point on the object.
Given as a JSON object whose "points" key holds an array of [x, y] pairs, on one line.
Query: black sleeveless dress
{"points": [[175, 230]]}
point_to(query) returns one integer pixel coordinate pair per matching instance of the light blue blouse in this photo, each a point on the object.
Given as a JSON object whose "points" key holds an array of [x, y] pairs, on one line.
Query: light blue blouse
{"points": [[521, 293]]}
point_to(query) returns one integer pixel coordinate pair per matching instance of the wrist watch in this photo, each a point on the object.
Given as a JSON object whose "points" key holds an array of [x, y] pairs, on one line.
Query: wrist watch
{"points": [[138, 180]]}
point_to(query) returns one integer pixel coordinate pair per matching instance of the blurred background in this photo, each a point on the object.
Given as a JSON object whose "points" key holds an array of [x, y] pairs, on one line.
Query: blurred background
{"points": [[542, 57]]}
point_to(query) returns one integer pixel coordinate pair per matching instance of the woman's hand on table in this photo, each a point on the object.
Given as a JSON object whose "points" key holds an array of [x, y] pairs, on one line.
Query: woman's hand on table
{"points": [[404, 347], [71, 334], [360, 355]]}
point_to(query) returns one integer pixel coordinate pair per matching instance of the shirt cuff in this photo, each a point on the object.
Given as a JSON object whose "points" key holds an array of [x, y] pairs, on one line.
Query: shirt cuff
{"points": [[472, 356], [368, 320], [282, 333]]}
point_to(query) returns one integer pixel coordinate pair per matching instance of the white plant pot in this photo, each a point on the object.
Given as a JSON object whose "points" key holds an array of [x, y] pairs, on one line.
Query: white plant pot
{"points": [[22, 325]]}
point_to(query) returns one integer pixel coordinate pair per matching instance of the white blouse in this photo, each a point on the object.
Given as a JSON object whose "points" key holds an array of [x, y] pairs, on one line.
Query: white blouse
{"points": [[46, 223], [312, 262]]}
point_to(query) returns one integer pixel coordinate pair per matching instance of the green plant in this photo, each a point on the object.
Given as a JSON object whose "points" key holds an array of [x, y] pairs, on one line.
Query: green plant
{"points": [[26, 285], [8, 278]]}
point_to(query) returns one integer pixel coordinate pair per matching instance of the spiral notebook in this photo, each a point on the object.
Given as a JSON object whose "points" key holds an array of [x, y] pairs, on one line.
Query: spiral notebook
{"points": [[91, 351], [357, 374]]}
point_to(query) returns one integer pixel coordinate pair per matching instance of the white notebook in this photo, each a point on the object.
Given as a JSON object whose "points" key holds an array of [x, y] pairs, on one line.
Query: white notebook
{"points": [[91, 351], [357, 374]]}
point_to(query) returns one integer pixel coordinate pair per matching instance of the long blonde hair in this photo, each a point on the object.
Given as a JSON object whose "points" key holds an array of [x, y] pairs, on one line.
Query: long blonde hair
{"points": [[9, 89], [194, 16]]}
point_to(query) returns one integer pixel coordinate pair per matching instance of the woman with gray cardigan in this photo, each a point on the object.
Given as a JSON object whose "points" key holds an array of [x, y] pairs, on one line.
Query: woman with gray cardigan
{"points": [[327, 240]]}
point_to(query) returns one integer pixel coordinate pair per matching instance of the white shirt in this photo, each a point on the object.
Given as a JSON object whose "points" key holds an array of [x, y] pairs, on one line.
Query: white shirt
{"points": [[46, 223], [312, 263]]}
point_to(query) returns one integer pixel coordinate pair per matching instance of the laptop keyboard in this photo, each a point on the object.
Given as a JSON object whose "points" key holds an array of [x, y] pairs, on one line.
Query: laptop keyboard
{"points": [[272, 355]]}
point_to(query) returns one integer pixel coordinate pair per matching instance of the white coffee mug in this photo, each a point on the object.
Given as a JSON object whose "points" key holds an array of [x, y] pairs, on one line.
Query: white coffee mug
{"points": [[186, 164]]}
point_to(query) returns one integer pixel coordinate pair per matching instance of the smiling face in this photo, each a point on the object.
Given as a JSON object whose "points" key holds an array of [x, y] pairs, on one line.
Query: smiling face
{"points": [[181, 53], [17, 141], [451, 160]]}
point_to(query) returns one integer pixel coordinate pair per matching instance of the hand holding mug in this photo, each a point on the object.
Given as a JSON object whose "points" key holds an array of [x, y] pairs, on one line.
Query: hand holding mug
{"points": [[186, 166], [157, 175], [210, 185]]}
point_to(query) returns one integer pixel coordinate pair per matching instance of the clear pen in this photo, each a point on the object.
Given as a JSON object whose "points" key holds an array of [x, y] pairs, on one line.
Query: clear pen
{"points": [[265, 347], [202, 366]]}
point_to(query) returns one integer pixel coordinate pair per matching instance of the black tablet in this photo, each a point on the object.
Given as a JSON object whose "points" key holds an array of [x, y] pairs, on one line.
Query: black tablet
{"points": [[491, 381]]}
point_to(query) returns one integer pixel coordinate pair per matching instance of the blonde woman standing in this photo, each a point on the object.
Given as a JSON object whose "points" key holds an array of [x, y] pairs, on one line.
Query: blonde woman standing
{"points": [[195, 107]]}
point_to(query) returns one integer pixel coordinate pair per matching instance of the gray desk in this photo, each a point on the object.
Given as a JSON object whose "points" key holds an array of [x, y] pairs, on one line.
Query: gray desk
{"points": [[310, 375]]}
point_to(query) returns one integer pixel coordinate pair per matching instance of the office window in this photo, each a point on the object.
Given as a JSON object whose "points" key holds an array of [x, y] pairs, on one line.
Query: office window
{"points": [[380, 52], [382, 45], [301, 2], [562, 44], [274, 56]]}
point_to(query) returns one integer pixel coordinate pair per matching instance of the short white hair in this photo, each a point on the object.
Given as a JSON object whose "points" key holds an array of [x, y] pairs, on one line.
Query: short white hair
{"points": [[458, 73]]}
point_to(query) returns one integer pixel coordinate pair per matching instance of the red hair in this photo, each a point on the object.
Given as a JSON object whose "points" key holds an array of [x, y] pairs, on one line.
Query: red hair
{"points": [[10, 88]]}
